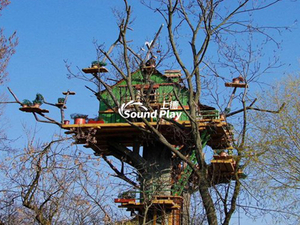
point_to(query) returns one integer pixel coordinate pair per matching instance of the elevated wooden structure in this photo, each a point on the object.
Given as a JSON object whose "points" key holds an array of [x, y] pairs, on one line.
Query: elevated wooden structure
{"points": [[113, 134], [95, 70], [60, 105], [223, 169], [110, 134], [127, 134], [158, 205], [33, 109], [236, 85]]}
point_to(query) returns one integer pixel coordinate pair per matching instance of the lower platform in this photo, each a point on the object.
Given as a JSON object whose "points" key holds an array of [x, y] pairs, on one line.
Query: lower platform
{"points": [[223, 169], [223, 164], [168, 202], [159, 208]]}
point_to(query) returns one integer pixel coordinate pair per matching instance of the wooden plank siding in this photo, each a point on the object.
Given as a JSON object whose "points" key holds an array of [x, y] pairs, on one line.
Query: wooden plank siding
{"points": [[164, 91]]}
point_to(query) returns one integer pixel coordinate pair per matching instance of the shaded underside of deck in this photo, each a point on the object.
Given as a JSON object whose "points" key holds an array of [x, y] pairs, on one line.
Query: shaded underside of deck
{"points": [[99, 136]]}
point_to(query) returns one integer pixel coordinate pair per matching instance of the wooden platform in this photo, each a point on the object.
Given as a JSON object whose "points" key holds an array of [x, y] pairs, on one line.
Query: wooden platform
{"points": [[124, 200], [126, 134], [69, 93], [60, 105], [32, 109], [94, 70], [156, 207], [223, 169], [223, 164], [224, 178], [169, 202], [237, 85]]}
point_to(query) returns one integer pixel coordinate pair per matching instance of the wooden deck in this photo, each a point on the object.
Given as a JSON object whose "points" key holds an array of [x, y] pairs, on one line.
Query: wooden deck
{"points": [[94, 70], [127, 134], [223, 169], [223, 164], [237, 85], [33, 109], [172, 204], [159, 201]]}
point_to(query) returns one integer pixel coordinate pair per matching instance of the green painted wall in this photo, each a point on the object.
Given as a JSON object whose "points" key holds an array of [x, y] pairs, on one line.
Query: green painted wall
{"points": [[121, 93]]}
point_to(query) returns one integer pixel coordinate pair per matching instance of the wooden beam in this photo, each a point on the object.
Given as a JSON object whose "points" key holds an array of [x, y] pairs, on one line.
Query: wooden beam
{"points": [[238, 85], [94, 70], [32, 109], [132, 159]]}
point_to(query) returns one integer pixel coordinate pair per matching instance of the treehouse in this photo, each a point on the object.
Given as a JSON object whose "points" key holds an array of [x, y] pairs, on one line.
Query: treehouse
{"points": [[128, 112], [161, 99], [164, 93]]}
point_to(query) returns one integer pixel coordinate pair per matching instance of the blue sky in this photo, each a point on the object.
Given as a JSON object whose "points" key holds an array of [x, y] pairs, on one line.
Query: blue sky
{"points": [[51, 31]]}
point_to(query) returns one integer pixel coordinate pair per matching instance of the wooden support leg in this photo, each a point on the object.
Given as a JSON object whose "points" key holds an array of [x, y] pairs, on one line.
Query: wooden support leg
{"points": [[170, 222], [154, 216]]}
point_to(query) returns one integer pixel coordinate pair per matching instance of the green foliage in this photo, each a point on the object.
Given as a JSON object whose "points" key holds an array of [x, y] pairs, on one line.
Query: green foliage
{"points": [[39, 99], [27, 102], [227, 110], [127, 194], [37, 102], [99, 63], [78, 115], [61, 100], [98, 118]]}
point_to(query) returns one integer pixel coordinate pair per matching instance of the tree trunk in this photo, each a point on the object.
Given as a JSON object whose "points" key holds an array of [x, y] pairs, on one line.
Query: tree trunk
{"points": [[186, 208], [156, 181], [157, 177]]}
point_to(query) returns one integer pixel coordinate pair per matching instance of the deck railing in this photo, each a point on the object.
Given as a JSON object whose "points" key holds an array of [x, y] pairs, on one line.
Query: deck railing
{"points": [[208, 114]]}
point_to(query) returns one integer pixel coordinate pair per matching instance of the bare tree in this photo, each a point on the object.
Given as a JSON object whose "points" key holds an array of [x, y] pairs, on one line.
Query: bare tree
{"points": [[273, 152], [7, 48], [204, 24], [47, 183]]}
